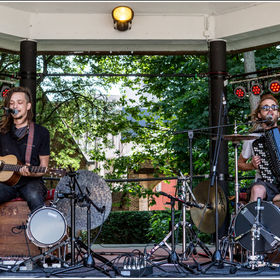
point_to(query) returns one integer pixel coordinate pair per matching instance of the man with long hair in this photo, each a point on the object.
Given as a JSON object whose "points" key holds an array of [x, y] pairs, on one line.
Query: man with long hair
{"points": [[21, 137], [264, 117]]}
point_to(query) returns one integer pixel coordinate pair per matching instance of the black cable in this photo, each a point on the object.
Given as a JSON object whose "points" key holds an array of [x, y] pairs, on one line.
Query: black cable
{"points": [[99, 231], [164, 75]]}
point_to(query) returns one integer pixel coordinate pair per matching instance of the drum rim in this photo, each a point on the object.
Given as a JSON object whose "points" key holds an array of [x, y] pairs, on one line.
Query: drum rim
{"points": [[31, 236]]}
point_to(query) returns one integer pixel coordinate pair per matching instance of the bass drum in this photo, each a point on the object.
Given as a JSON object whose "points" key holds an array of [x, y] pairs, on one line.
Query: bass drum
{"points": [[46, 227], [269, 227]]}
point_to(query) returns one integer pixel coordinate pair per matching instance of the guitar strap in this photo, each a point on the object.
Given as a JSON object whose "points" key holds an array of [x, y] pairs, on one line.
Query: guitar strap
{"points": [[29, 143]]}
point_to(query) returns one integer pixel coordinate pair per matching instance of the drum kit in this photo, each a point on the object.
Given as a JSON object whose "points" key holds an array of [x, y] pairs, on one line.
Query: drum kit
{"points": [[253, 232]]}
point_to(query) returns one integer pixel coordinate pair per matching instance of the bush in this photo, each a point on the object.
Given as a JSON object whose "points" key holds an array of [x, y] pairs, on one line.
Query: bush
{"points": [[124, 227], [139, 227]]}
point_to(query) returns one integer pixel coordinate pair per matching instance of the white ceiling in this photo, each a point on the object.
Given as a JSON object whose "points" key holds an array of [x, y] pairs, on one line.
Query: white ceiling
{"points": [[155, 7], [158, 26]]}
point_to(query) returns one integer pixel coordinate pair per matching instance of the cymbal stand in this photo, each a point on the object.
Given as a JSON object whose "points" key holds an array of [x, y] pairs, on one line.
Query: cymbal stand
{"points": [[184, 195], [236, 185], [82, 197], [193, 238], [228, 242], [254, 260], [173, 257]]}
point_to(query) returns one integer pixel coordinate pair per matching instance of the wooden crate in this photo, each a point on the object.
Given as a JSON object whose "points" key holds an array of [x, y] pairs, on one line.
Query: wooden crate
{"points": [[13, 214]]}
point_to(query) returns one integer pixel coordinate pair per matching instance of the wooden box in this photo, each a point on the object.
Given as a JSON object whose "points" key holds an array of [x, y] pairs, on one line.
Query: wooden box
{"points": [[13, 241]]}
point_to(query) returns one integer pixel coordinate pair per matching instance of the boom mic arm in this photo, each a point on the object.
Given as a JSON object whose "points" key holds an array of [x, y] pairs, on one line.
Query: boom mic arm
{"points": [[192, 204]]}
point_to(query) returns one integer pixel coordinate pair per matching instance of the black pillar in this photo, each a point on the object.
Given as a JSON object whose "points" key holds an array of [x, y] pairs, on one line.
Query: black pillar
{"points": [[28, 54], [217, 69]]}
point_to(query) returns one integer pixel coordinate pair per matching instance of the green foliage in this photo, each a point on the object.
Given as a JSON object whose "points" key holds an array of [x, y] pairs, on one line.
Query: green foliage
{"points": [[160, 225], [134, 227], [80, 110], [124, 228]]}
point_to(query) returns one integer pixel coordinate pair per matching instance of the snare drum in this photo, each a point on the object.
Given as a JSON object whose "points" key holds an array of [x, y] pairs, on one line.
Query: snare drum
{"points": [[46, 227]]}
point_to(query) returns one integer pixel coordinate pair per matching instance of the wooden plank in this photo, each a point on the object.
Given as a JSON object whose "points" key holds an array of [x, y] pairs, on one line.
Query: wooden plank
{"points": [[13, 214]]}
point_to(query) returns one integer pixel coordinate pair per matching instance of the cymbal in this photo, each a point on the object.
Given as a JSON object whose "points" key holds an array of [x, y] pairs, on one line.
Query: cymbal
{"points": [[238, 137], [204, 218], [97, 190]]}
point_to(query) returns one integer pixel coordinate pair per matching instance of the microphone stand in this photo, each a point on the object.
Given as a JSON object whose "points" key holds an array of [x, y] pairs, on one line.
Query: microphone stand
{"points": [[83, 197], [173, 257], [217, 255]]}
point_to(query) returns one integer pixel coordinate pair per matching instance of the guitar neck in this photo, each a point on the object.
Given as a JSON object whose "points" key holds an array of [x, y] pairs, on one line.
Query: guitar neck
{"points": [[16, 168]]}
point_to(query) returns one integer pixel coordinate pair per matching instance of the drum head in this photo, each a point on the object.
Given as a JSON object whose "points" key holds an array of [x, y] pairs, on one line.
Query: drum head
{"points": [[269, 226], [46, 227]]}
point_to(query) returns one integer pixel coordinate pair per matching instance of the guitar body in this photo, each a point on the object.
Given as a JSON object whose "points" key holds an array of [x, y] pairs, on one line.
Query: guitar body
{"points": [[10, 178]]}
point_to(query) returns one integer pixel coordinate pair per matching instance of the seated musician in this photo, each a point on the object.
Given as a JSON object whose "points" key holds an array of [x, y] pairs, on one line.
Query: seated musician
{"points": [[265, 117], [16, 133]]}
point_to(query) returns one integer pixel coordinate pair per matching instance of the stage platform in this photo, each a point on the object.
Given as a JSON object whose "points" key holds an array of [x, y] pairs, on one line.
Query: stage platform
{"points": [[156, 266]]}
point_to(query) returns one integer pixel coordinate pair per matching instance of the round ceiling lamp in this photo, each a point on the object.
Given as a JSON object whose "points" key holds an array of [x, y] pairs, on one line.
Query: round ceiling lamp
{"points": [[122, 16]]}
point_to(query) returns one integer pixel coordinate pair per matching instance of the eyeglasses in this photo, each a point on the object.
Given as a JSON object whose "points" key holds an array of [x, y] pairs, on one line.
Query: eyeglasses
{"points": [[272, 107]]}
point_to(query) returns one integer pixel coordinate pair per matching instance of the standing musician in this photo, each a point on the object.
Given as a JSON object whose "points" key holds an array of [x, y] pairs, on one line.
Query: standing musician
{"points": [[264, 117], [17, 134]]}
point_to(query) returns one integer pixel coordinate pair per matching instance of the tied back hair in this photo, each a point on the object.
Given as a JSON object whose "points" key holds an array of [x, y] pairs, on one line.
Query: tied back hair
{"points": [[7, 119]]}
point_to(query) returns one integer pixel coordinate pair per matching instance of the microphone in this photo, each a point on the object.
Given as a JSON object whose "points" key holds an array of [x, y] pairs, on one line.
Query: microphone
{"points": [[269, 120], [10, 111]]}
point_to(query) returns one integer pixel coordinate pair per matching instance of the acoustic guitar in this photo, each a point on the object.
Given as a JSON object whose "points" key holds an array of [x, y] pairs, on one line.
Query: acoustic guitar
{"points": [[10, 166]]}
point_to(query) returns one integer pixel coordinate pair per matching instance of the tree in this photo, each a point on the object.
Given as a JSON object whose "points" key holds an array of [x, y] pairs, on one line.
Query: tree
{"points": [[79, 106]]}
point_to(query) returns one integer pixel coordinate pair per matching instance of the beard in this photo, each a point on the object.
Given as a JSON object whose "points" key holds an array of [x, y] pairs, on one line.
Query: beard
{"points": [[270, 120]]}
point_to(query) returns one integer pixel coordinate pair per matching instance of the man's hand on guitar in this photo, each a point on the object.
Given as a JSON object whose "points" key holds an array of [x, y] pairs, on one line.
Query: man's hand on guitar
{"points": [[24, 171]]}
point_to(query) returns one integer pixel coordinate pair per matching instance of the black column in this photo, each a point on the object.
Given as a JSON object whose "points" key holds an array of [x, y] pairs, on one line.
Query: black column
{"points": [[28, 54], [217, 69]]}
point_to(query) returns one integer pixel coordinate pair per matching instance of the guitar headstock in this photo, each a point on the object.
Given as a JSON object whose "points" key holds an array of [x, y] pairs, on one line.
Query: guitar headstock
{"points": [[57, 172]]}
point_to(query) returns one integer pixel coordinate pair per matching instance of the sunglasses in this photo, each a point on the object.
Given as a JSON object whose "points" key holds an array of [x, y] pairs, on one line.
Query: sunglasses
{"points": [[272, 107]]}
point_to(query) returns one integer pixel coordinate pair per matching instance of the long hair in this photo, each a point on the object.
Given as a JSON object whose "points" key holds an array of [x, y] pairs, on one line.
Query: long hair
{"points": [[254, 115], [7, 120]]}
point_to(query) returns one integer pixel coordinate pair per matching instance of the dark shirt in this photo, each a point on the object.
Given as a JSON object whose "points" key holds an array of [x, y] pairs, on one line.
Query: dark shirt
{"points": [[11, 144]]}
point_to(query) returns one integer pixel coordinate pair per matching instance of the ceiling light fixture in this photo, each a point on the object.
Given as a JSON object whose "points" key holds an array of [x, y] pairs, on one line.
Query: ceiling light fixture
{"points": [[122, 16]]}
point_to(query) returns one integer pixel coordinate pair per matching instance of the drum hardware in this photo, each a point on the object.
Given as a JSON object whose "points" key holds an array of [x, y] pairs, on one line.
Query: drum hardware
{"points": [[173, 257], [186, 194], [236, 139], [48, 252], [217, 256], [229, 243], [77, 187], [194, 241], [256, 230]]}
